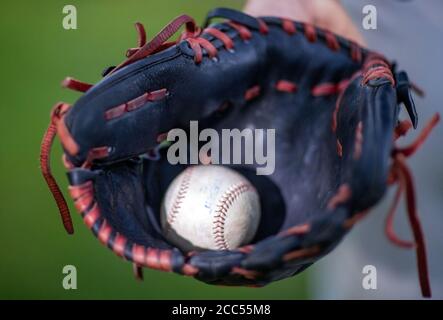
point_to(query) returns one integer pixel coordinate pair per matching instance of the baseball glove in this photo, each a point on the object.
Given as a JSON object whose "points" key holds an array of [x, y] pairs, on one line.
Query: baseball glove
{"points": [[335, 108]]}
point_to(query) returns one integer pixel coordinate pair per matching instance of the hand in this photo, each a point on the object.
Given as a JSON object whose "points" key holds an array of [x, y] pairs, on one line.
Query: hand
{"points": [[327, 14]]}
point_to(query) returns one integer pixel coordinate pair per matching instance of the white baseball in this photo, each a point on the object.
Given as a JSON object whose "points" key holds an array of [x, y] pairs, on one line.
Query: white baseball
{"points": [[210, 207]]}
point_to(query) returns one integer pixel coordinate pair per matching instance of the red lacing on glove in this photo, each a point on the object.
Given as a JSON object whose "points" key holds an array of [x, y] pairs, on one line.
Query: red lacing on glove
{"points": [[402, 128], [197, 43], [286, 86], [310, 32], [223, 37], [75, 84], [400, 173], [375, 67], [45, 151], [144, 50], [329, 88], [378, 72], [158, 42], [192, 33], [243, 32], [141, 39]]}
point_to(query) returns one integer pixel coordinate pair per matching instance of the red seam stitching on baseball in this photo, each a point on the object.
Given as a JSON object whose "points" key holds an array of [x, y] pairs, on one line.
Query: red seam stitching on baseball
{"points": [[184, 187], [226, 201]]}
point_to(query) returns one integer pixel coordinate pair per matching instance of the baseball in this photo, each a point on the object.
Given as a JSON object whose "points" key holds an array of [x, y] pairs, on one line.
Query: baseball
{"points": [[210, 207]]}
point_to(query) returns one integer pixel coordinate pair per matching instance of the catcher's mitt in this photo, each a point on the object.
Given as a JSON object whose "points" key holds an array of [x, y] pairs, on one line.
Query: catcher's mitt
{"points": [[335, 109]]}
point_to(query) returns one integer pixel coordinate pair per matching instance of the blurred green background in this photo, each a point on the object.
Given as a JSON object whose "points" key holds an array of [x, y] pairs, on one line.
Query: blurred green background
{"points": [[37, 53]]}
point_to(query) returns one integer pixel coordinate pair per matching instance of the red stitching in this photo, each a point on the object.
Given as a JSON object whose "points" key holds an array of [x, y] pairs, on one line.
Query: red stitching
{"points": [[67, 164], [119, 244], [252, 93], [288, 26], [197, 43], [310, 32], [150, 257], [225, 202], [375, 67], [181, 194], [84, 202], [402, 128], [301, 253], [195, 46], [153, 258], [193, 32], [286, 86], [244, 32], [248, 274], [65, 136], [331, 41], [80, 190], [246, 249], [327, 88], [342, 195], [94, 154], [160, 39], [164, 260], [189, 270], [135, 103], [92, 216], [104, 233], [224, 38], [356, 53], [263, 27], [297, 230], [115, 112], [375, 59], [138, 254], [208, 46], [378, 72], [75, 84]]}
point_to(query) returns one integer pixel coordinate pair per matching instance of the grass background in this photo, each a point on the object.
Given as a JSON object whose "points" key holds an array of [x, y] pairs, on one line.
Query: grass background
{"points": [[37, 53]]}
